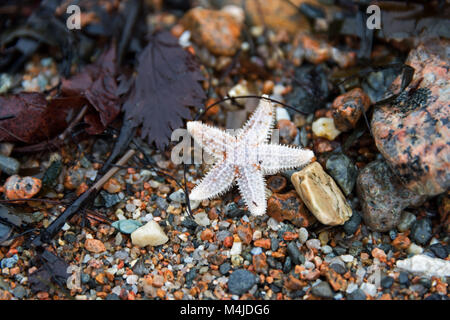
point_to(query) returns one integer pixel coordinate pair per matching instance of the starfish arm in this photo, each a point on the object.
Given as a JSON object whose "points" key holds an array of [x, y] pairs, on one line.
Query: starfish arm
{"points": [[216, 182], [251, 185], [259, 127], [274, 158], [212, 140]]}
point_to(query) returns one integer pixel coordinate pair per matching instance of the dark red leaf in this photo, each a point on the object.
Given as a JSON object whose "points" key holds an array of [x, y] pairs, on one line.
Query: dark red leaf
{"points": [[166, 85], [35, 119]]}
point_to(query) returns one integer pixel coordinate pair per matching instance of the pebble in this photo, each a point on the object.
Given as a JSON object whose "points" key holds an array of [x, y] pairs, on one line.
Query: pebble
{"points": [[387, 282], [407, 219], [294, 253], [9, 165], [383, 197], [357, 294], [439, 250], [178, 196], [421, 231], [325, 128], [126, 226], [347, 258], [5, 232], [353, 223], [9, 262], [338, 268], [17, 187], [321, 195], [240, 281], [322, 290], [150, 234], [343, 170], [236, 249], [94, 245], [426, 266], [369, 289], [414, 249], [289, 206], [302, 235], [349, 107], [313, 244], [225, 268], [202, 219], [19, 292]]}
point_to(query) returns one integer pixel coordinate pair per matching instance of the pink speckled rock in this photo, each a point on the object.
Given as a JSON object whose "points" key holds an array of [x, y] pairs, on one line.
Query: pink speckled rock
{"points": [[413, 132]]}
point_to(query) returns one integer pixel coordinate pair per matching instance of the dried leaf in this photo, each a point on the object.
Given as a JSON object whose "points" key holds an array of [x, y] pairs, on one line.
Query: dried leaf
{"points": [[166, 85]]}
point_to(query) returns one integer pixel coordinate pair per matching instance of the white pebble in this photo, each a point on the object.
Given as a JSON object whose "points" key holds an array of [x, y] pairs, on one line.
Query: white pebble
{"points": [[313, 243], [324, 127], [346, 258], [236, 249], [150, 234], [424, 265], [369, 289], [202, 219], [302, 235], [415, 249]]}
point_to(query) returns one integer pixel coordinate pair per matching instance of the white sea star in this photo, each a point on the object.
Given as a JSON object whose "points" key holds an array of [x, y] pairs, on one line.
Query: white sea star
{"points": [[245, 158]]}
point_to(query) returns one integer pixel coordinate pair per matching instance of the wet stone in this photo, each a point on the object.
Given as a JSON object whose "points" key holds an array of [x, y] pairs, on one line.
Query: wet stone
{"points": [[407, 219], [353, 223], [322, 290], [421, 231], [295, 254], [343, 171], [287, 266], [289, 206], [412, 132], [348, 108], [9, 165], [225, 268], [108, 200], [439, 250], [338, 268], [387, 282], [240, 281], [233, 211], [357, 294], [383, 197]]}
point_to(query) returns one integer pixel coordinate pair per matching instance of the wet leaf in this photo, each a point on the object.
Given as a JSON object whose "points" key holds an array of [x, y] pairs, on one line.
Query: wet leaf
{"points": [[166, 85]]}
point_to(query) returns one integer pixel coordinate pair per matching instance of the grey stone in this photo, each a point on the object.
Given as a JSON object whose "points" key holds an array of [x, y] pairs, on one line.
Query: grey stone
{"points": [[343, 170], [9, 165], [322, 290], [241, 281]]}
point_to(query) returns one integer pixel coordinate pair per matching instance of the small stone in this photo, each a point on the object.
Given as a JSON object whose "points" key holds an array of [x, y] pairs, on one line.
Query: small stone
{"points": [[439, 250], [202, 219], [349, 107], [9, 165], [387, 282], [403, 278], [383, 196], [5, 232], [17, 187], [236, 249], [150, 234], [321, 195], [94, 245], [424, 265], [407, 219], [9, 262], [414, 249], [289, 207], [322, 290], [276, 183], [369, 289], [263, 243], [126, 226], [421, 231], [324, 127], [225, 268], [353, 223], [218, 31], [178, 196], [313, 244], [357, 294], [207, 234], [287, 131], [240, 281], [19, 292], [294, 253], [302, 235], [343, 170], [112, 186]]}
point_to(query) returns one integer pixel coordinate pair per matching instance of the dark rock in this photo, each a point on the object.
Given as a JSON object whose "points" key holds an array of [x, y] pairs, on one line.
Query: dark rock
{"points": [[436, 296], [348, 108], [112, 296], [240, 281], [189, 223], [421, 231], [225, 268], [9, 165], [311, 11], [403, 278], [274, 244], [352, 224], [343, 171], [19, 292], [358, 294], [107, 199], [338, 268], [412, 131], [322, 290], [294, 253], [383, 197], [233, 211], [387, 282], [310, 87], [190, 276], [85, 278], [5, 232], [287, 266], [439, 250], [52, 173], [139, 268]]}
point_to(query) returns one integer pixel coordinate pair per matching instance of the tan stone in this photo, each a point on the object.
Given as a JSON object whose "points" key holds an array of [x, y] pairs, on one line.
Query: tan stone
{"points": [[321, 195], [150, 234]]}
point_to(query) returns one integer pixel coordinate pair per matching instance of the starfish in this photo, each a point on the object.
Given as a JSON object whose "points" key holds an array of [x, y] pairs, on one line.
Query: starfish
{"points": [[244, 158]]}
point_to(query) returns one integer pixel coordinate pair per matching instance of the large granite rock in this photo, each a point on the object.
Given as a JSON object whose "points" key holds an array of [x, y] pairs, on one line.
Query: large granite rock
{"points": [[413, 132]]}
